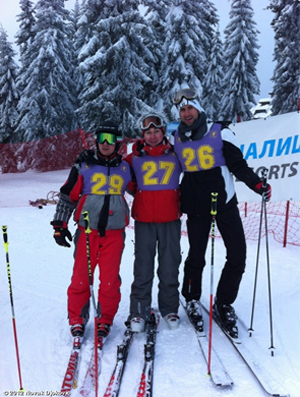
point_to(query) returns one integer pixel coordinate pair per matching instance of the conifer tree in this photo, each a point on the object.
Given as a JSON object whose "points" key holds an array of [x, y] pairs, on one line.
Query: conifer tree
{"points": [[47, 99], [156, 12], [186, 49], [24, 39], [85, 17], [88, 15], [71, 29], [24, 36], [286, 25], [241, 57], [213, 82], [116, 67], [9, 95]]}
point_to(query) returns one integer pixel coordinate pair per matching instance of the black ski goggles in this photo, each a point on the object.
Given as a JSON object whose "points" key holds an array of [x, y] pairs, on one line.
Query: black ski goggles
{"points": [[186, 93], [111, 139], [151, 120]]}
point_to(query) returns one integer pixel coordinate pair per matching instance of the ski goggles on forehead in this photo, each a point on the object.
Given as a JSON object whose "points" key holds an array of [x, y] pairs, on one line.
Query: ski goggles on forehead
{"points": [[105, 136], [186, 93], [149, 121]]}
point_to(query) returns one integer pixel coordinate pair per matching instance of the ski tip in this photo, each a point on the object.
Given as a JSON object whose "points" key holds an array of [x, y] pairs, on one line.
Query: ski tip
{"points": [[225, 385]]}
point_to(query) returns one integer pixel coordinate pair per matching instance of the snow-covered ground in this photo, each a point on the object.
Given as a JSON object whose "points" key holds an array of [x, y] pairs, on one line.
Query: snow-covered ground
{"points": [[40, 275]]}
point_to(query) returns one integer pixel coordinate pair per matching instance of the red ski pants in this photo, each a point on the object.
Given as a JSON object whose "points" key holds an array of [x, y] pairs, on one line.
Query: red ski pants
{"points": [[107, 253]]}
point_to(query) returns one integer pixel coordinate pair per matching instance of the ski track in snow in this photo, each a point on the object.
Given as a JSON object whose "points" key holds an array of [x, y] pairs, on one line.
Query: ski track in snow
{"points": [[40, 275]]}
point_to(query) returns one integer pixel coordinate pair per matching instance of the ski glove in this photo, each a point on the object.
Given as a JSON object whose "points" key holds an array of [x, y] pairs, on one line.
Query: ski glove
{"points": [[61, 232], [86, 156], [131, 188], [138, 148], [264, 191]]}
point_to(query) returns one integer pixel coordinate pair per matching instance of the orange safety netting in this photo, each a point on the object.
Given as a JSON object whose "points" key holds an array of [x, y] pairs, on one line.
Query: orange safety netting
{"points": [[48, 154], [283, 221]]}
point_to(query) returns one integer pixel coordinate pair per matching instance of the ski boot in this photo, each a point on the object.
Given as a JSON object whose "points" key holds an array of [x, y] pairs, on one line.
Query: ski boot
{"points": [[102, 333], [194, 312], [225, 315]]}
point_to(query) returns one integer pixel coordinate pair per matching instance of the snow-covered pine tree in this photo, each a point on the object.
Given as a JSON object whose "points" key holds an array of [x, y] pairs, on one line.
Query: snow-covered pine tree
{"points": [[9, 94], [25, 35], [186, 49], [47, 101], [213, 82], [116, 67], [155, 14], [210, 20], [72, 27], [85, 17], [90, 12], [240, 54], [286, 78], [24, 38]]}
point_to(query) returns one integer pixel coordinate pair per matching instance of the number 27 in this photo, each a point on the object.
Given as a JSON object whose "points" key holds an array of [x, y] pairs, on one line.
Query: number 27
{"points": [[151, 168]]}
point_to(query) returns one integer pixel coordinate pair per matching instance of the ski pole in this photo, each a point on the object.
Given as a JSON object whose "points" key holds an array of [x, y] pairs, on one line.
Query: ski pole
{"points": [[263, 214], [264, 203], [87, 233], [256, 268], [213, 213], [5, 238]]}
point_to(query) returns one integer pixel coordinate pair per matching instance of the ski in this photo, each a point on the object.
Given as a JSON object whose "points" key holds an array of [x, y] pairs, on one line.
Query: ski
{"points": [[146, 381], [218, 373], [89, 382], [264, 378], [114, 384], [70, 381]]}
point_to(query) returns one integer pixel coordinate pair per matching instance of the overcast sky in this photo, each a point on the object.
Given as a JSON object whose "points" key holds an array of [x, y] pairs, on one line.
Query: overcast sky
{"points": [[9, 9]]}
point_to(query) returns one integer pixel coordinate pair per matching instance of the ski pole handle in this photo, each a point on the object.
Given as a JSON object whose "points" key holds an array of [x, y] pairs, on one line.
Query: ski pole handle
{"points": [[264, 185], [264, 172], [86, 219], [214, 197], [4, 231]]}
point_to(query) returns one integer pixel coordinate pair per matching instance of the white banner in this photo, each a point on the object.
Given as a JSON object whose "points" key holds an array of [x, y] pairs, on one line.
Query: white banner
{"points": [[272, 143]]}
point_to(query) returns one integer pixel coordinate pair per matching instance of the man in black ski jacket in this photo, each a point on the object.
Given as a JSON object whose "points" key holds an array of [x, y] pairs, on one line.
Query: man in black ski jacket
{"points": [[210, 156]]}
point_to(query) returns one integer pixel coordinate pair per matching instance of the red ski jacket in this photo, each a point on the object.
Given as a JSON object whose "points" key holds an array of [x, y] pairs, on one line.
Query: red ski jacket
{"points": [[154, 200]]}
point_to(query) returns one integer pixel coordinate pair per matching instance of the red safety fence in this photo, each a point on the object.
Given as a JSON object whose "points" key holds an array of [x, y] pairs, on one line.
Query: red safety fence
{"points": [[49, 154], [283, 219]]}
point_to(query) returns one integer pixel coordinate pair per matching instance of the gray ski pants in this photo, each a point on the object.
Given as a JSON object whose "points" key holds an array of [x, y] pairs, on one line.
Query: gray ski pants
{"points": [[165, 237]]}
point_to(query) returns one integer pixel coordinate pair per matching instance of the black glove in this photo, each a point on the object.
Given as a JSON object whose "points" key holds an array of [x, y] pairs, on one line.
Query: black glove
{"points": [[131, 188], [138, 148], [264, 191], [61, 232], [85, 156]]}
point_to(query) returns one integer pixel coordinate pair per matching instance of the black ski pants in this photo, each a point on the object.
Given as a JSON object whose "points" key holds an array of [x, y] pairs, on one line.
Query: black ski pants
{"points": [[231, 228]]}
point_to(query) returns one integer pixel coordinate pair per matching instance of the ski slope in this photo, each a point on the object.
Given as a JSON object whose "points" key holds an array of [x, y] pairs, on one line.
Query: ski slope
{"points": [[40, 275]]}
